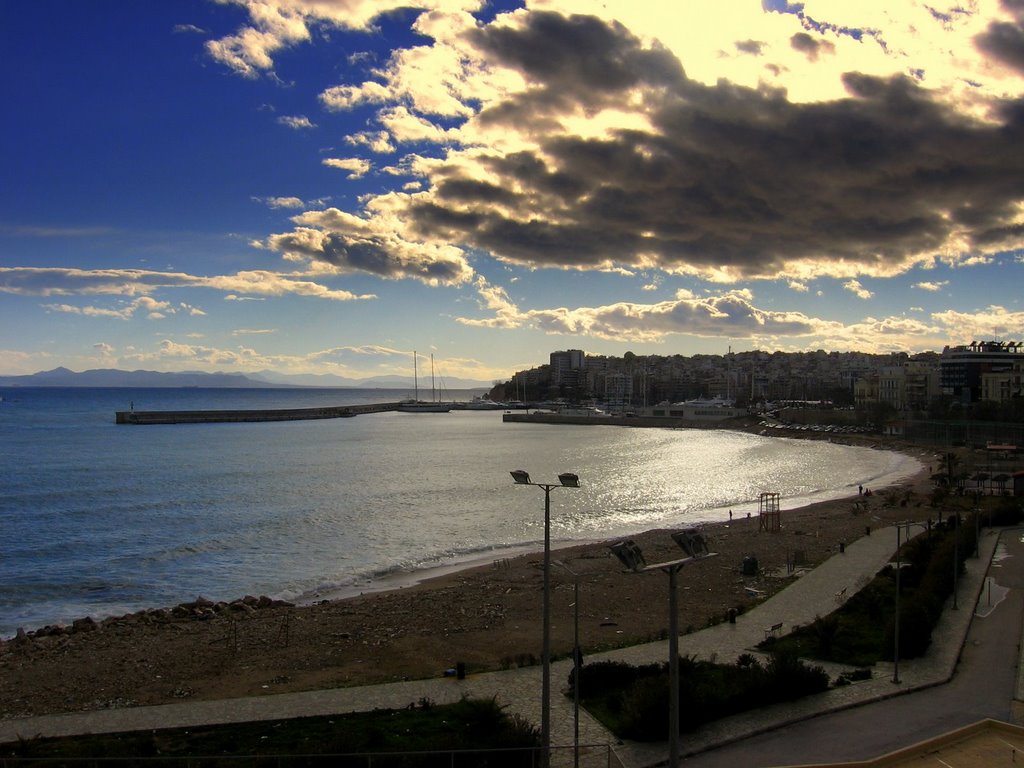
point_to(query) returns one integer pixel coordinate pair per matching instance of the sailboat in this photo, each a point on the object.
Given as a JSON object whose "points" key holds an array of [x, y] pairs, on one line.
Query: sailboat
{"points": [[423, 406]]}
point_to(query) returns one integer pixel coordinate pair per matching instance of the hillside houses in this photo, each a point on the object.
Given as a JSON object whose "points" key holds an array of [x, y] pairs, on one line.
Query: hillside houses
{"points": [[961, 376]]}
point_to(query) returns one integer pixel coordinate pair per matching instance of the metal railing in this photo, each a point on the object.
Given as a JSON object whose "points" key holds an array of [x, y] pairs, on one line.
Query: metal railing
{"points": [[590, 756]]}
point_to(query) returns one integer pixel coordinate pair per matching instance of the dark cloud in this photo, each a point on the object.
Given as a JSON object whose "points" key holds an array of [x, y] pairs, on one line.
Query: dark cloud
{"points": [[727, 176], [1004, 41], [811, 47], [373, 255], [750, 46], [579, 53], [472, 190]]}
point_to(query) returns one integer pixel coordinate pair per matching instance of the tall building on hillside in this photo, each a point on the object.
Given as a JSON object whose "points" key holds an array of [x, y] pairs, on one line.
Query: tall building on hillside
{"points": [[964, 369], [562, 363]]}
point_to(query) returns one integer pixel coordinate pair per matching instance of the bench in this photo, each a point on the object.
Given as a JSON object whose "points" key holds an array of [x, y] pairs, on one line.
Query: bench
{"points": [[772, 631], [751, 592]]}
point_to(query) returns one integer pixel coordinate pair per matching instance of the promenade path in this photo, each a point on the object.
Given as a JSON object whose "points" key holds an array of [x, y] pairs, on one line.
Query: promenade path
{"points": [[815, 593]]}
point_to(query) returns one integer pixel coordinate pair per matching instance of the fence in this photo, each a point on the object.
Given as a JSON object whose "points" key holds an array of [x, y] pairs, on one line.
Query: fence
{"points": [[590, 756]]}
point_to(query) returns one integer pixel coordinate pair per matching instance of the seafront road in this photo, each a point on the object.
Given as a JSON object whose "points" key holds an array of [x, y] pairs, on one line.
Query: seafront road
{"points": [[784, 734]]}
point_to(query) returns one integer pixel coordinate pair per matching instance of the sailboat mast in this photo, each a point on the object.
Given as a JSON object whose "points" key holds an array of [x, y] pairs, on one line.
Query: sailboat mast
{"points": [[415, 377], [433, 391]]}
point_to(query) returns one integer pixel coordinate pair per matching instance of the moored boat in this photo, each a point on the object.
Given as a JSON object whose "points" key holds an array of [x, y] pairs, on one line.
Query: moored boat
{"points": [[415, 405]]}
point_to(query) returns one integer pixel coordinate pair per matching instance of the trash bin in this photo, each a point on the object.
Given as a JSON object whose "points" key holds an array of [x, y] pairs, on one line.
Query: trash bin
{"points": [[460, 671], [749, 567], [842, 546]]}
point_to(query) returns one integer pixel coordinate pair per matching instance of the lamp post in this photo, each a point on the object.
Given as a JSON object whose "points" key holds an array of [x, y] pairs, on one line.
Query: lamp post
{"points": [[692, 542], [565, 480], [576, 657]]}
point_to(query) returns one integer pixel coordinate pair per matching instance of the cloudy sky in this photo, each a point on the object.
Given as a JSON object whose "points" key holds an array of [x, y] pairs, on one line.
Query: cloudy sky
{"points": [[323, 186]]}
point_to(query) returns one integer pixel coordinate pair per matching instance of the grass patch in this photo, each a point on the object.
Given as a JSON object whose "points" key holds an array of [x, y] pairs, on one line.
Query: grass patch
{"points": [[471, 724]]}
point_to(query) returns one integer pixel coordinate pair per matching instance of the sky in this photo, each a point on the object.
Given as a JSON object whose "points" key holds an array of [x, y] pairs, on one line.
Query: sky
{"points": [[325, 186]]}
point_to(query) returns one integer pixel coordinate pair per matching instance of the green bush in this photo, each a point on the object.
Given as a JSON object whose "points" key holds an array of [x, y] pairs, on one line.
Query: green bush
{"points": [[633, 702], [862, 631]]}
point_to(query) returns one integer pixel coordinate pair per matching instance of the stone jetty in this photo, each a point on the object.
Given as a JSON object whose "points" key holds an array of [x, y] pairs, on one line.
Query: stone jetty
{"points": [[271, 414]]}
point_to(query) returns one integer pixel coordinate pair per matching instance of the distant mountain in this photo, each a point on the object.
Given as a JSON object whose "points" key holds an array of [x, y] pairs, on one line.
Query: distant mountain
{"points": [[109, 377]]}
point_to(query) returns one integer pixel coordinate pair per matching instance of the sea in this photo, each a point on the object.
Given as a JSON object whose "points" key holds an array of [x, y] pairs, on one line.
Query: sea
{"points": [[100, 519]]}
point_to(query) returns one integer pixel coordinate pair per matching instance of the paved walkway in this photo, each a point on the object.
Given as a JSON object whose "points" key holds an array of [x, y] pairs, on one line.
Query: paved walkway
{"points": [[814, 594]]}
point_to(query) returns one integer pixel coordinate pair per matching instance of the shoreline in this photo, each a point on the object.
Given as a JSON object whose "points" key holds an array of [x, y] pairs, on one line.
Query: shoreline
{"points": [[380, 583], [710, 516], [485, 614]]}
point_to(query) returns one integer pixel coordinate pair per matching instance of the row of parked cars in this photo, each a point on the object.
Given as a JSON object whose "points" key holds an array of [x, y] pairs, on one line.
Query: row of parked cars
{"points": [[848, 429]]}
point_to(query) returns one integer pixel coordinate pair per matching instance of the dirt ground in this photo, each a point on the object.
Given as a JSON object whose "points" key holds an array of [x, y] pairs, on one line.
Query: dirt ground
{"points": [[488, 618]]}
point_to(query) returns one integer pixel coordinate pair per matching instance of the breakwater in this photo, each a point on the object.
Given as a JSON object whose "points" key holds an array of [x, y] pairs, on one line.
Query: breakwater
{"points": [[266, 414]]}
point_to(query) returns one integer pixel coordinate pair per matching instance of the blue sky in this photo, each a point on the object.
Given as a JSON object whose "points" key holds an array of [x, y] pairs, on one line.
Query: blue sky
{"points": [[323, 186]]}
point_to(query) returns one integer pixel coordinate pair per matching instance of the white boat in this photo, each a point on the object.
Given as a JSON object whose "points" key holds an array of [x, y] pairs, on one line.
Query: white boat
{"points": [[423, 406], [483, 404]]}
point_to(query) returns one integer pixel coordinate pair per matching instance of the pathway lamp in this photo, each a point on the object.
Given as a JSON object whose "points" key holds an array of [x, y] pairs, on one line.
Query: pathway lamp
{"points": [[565, 480], [693, 543], [577, 662]]}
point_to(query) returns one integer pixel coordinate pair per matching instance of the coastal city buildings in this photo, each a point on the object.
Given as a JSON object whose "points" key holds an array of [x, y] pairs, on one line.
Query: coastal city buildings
{"points": [[983, 370], [959, 376]]}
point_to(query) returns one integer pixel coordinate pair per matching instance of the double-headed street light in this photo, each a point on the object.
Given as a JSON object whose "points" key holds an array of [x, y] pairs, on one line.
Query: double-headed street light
{"points": [[693, 543], [565, 480]]}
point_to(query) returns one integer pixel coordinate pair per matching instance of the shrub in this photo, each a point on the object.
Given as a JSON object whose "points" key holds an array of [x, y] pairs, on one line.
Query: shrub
{"points": [[632, 701], [862, 631]]}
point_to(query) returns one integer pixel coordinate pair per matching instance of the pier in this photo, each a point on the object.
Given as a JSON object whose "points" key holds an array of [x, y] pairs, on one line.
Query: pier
{"points": [[227, 416]]}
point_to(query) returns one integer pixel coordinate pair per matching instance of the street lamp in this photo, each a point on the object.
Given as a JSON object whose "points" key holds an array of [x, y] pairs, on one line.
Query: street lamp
{"points": [[693, 543], [576, 662], [565, 480]]}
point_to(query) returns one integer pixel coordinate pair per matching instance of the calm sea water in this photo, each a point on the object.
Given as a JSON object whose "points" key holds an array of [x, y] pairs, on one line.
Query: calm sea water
{"points": [[103, 519]]}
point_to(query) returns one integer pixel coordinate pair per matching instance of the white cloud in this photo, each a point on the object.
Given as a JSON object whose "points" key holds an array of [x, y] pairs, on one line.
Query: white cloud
{"points": [[17, 362], [281, 202], [55, 281], [296, 122], [145, 305], [357, 167], [278, 24], [858, 290], [932, 286]]}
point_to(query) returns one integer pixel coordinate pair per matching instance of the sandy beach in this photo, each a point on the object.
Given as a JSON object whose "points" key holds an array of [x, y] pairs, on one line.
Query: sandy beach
{"points": [[486, 617]]}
